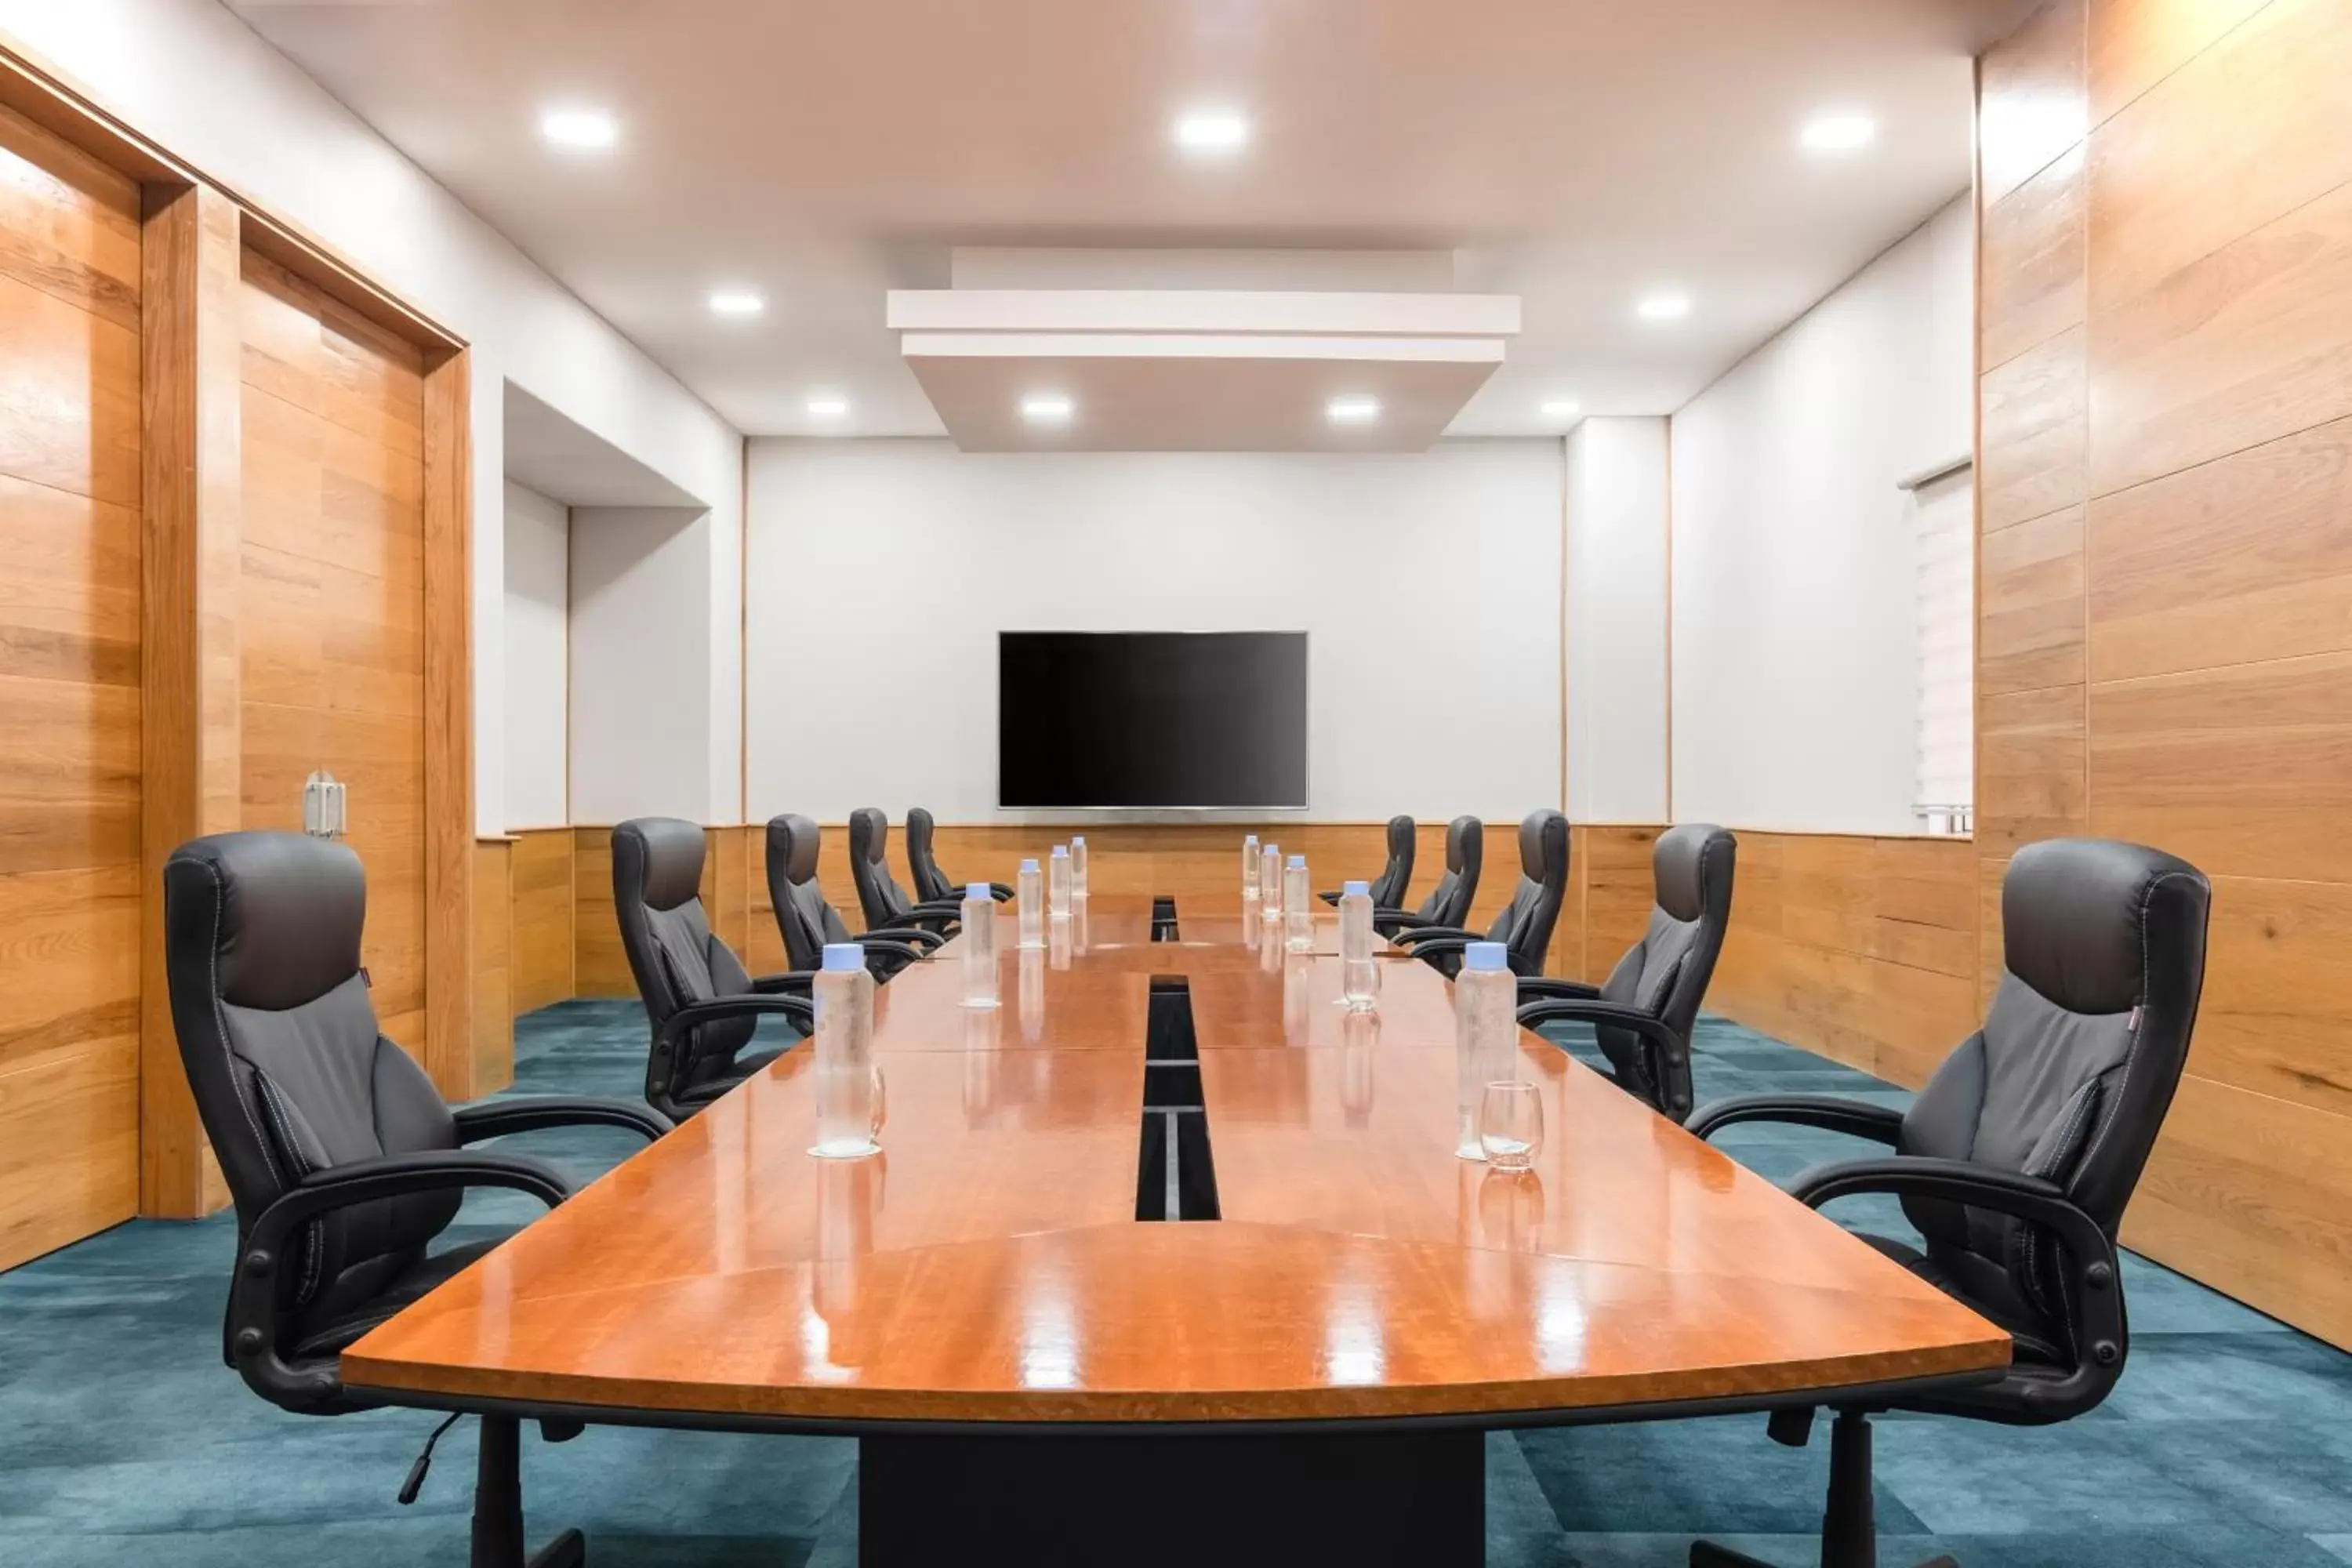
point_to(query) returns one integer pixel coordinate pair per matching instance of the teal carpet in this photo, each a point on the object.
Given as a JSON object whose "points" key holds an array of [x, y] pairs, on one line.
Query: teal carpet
{"points": [[124, 1440]]}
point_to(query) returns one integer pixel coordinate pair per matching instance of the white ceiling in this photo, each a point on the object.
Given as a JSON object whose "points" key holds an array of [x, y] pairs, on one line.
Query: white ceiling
{"points": [[1576, 153]]}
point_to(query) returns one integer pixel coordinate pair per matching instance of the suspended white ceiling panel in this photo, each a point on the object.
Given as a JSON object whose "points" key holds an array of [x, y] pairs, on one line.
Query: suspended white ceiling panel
{"points": [[1199, 369]]}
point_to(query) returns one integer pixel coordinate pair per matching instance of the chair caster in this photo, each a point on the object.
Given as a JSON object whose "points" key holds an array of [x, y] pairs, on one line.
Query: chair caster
{"points": [[569, 1549]]}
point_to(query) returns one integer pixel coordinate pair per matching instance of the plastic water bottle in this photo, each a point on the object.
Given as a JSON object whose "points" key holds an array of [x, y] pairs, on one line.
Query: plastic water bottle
{"points": [[1359, 972], [1249, 869], [979, 923], [1057, 882], [1297, 906], [1030, 886], [1486, 1035], [846, 1089], [1269, 883], [1078, 866]]}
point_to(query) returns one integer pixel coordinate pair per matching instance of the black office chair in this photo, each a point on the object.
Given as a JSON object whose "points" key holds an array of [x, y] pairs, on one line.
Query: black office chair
{"points": [[1642, 1015], [345, 1161], [809, 922], [1449, 901], [2016, 1161], [881, 898], [702, 1006], [1389, 888], [933, 885], [1525, 926]]}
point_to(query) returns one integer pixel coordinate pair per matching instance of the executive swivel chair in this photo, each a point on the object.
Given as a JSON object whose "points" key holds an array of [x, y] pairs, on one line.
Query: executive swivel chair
{"points": [[809, 922], [702, 1005], [933, 885], [879, 897], [345, 1161], [1525, 925], [2016, 1161], [1642, 1015], [1389, 888], [1448, 903]]}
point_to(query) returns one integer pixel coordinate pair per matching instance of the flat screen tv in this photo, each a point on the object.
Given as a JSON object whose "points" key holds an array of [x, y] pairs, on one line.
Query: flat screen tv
{"points": [[1151, 719]]}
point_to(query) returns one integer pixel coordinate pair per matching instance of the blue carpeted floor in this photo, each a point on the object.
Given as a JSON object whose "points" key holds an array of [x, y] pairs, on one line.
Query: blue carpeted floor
{"points": [[123, 1439]]}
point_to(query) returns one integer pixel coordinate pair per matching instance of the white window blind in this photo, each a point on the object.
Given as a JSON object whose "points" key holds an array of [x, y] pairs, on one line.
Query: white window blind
{"points": [[1943, 511]]}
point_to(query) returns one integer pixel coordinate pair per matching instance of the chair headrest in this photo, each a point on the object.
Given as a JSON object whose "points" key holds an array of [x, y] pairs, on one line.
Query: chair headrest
{"points": [[919, 829], [287, 911], [1401, 831], [869, 834], [668, 855], [2082, 918], [794, 839], [1543, 847], [1687, 863], [1463, 842]]}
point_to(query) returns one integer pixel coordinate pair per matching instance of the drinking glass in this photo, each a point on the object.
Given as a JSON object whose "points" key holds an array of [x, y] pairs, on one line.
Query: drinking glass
{"points": [[1510, 1125]]}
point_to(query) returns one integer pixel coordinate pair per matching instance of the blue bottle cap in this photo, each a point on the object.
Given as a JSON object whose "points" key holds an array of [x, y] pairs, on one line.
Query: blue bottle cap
{"points": [[1274, 850], [1250, 839], [1300, 861], [843, 955], [1355, 889], [1076, 839], [1486, 956], [1061, 851], [1028, 865], [979, 893]]}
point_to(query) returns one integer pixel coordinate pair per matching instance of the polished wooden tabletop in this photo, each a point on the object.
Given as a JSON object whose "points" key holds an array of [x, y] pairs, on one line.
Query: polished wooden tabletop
{"points": [[987, 1265]]}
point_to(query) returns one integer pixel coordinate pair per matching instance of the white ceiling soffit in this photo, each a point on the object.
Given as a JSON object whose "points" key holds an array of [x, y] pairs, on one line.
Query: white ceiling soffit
{"points": [[565, 461], [1192, 370]]}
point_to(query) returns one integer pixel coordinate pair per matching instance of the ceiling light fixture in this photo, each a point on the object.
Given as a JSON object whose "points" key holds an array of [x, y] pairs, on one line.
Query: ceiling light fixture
{"points": [[1045, 407], [1838, 133], [580, 129], [1666, 307], [736, 302], [1560, 408], [828, 405], [1352, 410], [1212, 131]]}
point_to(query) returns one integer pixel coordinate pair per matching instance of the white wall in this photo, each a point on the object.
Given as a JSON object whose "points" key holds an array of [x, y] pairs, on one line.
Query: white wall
{"points": [[642, 664], [1617, 620], [538, 658], [880, 572], [192, 78], [1795, 700]]}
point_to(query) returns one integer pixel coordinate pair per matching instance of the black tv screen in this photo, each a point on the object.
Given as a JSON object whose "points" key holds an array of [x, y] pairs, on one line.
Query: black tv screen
{"points": [[1151, 719]]}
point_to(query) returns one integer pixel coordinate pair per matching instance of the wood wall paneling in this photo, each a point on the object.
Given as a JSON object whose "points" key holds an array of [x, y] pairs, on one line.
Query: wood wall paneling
{"points": [[493, 965], [2032, 106], [599, 967], [2032, 262], [449, 1037], [543, 934], [70, 678], [2135, 44]]}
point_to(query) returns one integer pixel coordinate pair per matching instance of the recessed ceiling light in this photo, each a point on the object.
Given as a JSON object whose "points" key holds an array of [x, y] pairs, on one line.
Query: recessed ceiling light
{"points": [[1212, 131], [1560, 407], [1665, 307], [736, 302], [1045, 407], [828, 405], [1838, 133], [1352, 410], [580, 129]]}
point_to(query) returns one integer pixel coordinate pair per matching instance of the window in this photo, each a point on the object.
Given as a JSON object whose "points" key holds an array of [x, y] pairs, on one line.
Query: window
{"points": [[1943, 513]]}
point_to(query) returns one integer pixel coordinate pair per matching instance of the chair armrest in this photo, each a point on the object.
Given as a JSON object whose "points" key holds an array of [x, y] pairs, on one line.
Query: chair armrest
{"points": [[1618, 1015], [695, 1014], [1420, 934], [1541, 987], [2094, 1306], [498, 1118], [1331, 897], [905, 936], [952, 909], [1827, 1113], [791, 983], [254, 1290], [1001, 892]]}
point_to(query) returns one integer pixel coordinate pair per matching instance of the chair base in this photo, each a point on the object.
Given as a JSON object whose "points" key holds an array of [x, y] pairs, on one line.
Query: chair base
{"points": [[497, 1506], [1849, 1518]]}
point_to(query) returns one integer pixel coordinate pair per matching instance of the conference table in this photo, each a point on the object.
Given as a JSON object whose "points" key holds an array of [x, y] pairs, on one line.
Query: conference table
{"points": [[1170, 1258]]}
